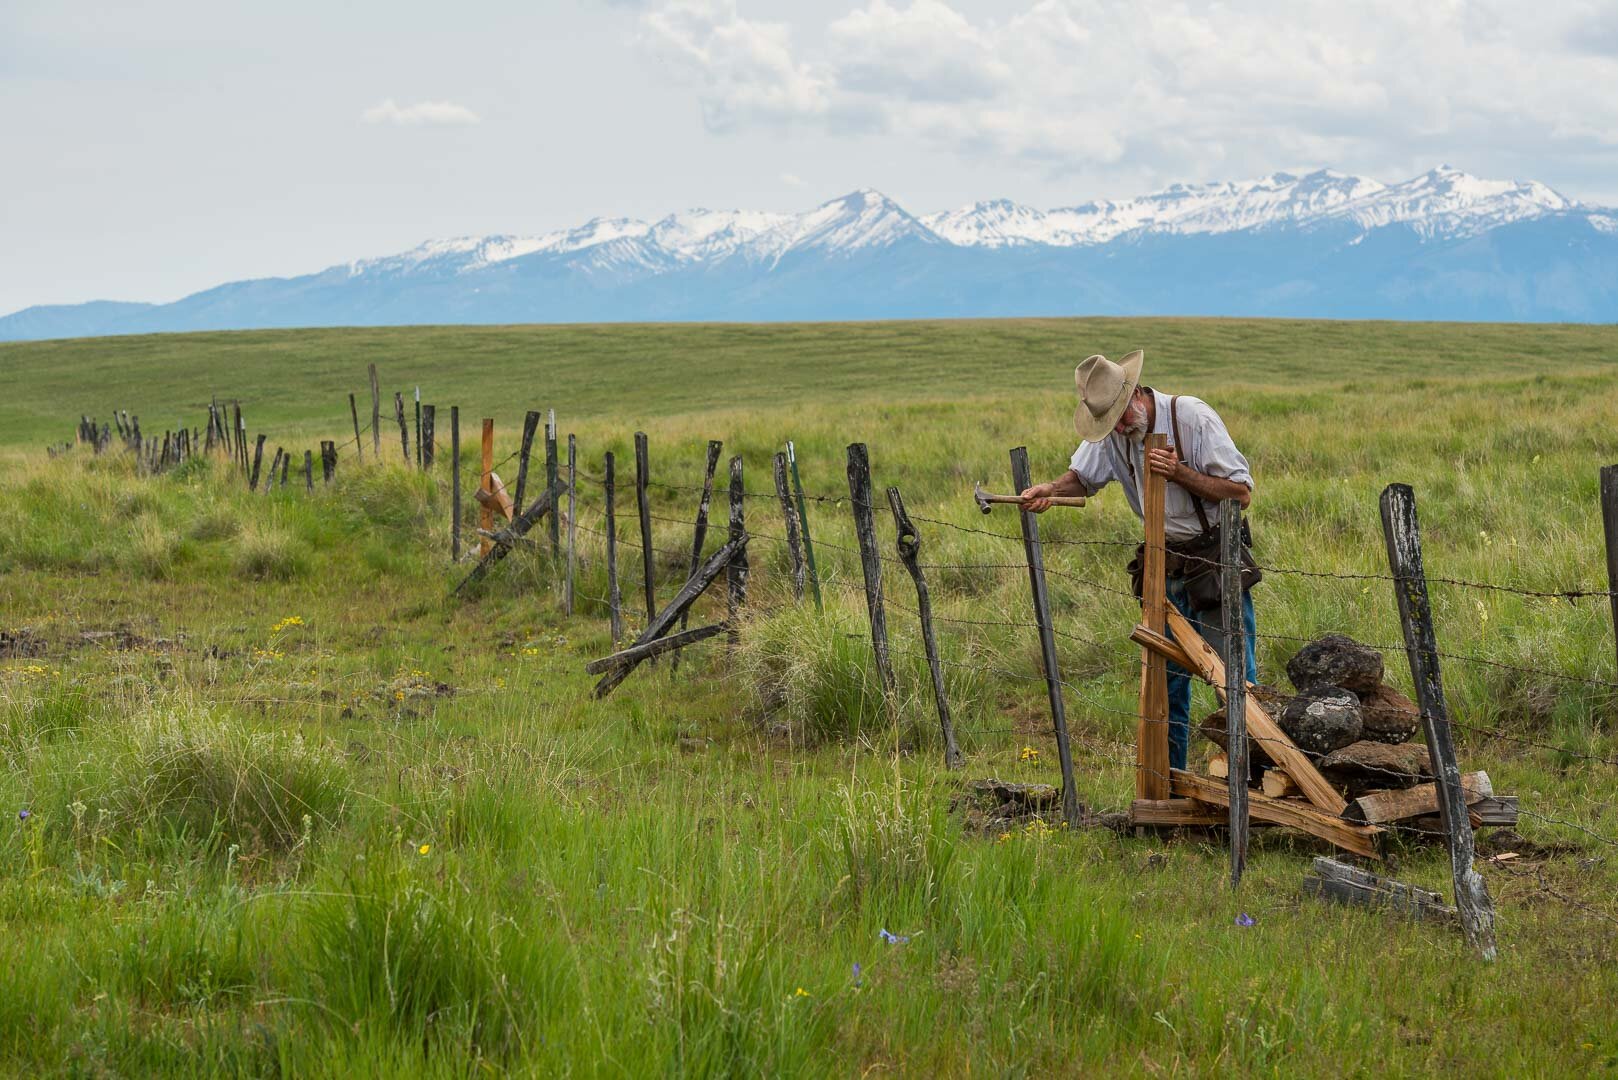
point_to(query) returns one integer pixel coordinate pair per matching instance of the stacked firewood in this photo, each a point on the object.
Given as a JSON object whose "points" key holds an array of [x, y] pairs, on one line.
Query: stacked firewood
{"points": [[1356, 729]]}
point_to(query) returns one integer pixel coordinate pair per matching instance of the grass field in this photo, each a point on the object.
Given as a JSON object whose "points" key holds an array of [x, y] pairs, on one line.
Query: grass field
{"points": [[292, 809]]}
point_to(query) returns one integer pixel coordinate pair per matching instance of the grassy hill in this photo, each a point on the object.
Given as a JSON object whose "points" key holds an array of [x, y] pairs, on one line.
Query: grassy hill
{"points": [[292, 807]]}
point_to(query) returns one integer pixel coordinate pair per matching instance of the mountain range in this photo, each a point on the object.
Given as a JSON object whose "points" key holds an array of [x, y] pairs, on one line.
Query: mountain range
{"points": [[1444, 245]]}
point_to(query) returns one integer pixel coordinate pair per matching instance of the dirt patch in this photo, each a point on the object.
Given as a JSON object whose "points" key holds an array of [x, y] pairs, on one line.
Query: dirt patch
{"points": [[125, 639], [22, 642], [1503, 841]]}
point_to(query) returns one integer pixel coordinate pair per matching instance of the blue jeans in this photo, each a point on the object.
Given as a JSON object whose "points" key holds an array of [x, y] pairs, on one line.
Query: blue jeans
{"points": [[1211, 625]]}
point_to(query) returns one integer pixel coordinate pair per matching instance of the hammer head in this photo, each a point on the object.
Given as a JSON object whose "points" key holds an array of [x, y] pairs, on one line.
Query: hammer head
{"points": [[981, 496]]}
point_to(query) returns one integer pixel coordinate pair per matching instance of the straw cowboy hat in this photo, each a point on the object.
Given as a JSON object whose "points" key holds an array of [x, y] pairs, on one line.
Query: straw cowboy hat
{"points": [[1104, 392]]}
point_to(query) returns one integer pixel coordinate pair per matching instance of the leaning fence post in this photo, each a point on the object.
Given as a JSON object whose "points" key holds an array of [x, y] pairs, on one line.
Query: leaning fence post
{"points": [[1035, 554], [1402, 531], [803, 522], [572, 505], [1609, 524], [530, 424], [909, 551], [258, 459], [736, 571], [429, 417], [404, 430], [354, 411], [641, 469], [700, 532], [614, 598], [794, 544], [1230, 558], [376, 416], [550, 482], [455, 483], [859, 490]]}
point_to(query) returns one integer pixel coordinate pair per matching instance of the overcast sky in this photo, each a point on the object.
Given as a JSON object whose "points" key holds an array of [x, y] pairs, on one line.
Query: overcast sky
{"points": [[148, 150]]}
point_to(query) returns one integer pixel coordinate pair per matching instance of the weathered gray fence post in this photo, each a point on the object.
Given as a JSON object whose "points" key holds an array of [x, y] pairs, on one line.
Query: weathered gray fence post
{"points": [[641, 468], [1609, 525], [551, 470], [404, 429], [1035, 554], [258, 459], [859, 490], [699, 533], [429, 419], [308, 470], [736, 571], [286, 462], [615, 602], [354, 411], [376, 416], [1402, 530], [909, 552], [803, 522], [455, 483], [328, 460], [418, 428], [794, 543], [572, 506], [1230, 557], [530, 424]]}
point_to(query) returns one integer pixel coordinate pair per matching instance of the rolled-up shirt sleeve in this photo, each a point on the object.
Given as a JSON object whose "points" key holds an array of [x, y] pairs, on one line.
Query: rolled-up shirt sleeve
{"points": [[1212, 452], [1093, 466]]}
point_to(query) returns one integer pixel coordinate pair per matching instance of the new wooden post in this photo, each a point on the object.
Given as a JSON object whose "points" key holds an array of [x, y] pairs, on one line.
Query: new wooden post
{"points": [[404, 430], [485, 514], [699, 533], [376, 415], [354, 411], [455, 483], [803, 522], [551, 470], [1230, 557], [614, 598], [909, 552], [572, 505], [736, 571], [794, 544], [429, 418], [530, 424], [645, 511], [1152, 732], [859, 490], [1402, 531], [1035, 554], [1609, 524]]}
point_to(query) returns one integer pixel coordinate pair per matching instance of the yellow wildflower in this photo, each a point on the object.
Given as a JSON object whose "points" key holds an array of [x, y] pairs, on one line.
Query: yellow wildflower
{"points": [[424, 849]]}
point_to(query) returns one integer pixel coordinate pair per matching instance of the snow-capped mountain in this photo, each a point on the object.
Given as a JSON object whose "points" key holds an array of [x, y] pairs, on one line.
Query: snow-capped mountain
{"points": [[1441, 245]]}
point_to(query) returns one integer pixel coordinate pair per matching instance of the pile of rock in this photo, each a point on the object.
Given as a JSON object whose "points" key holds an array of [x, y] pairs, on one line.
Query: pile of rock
{"points": [[1344, 716]]}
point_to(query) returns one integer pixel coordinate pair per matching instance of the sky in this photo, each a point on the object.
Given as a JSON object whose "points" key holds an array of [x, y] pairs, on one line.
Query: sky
{"points": [[152, 149]]}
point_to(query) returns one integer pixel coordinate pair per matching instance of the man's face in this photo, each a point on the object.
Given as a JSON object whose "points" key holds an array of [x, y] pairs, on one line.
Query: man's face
{"points": [[1132, 425]]}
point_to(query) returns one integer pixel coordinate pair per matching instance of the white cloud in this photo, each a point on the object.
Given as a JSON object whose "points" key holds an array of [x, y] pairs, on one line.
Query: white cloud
{"points": [[793, 180], [1193, 89], [441, 113]]}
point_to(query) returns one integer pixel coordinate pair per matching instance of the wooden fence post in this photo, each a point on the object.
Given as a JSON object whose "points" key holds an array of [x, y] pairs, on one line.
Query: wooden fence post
{"points": [[699, 532], [354, 411], [530, 424], [614, 597], [794, 543], [455, 483], [1230, 555], [308, 470], [269, 478], [859, 490], [286, 462], [1402, 531], [1035, 555], [328, 460], [909, 551], [550, 482], [736, 571], [641, 468], [376, 416], [803, 522], [1609, 525], [419, 464], [572, 506], [485, 512], [404, 430], [258, 459], [1152, 730], [429, 417]]}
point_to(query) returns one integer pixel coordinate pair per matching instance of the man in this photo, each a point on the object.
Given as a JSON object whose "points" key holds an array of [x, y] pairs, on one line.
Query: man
{"points": [[1114, 416]]}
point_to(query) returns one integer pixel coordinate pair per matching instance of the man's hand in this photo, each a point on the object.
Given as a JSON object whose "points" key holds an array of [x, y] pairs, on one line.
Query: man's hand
{"points": [[1037, 499], [1164, 462]]}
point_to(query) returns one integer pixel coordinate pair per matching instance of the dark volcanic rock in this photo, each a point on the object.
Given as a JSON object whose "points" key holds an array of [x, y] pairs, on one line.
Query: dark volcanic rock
{"points": [[1212, 726], [1371, 765], [1336, 660], [1323, 719], [1389, 716]]}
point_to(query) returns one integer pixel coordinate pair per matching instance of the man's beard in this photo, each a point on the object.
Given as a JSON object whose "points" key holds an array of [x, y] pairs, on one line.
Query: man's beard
{"points": [[1135, 422]]}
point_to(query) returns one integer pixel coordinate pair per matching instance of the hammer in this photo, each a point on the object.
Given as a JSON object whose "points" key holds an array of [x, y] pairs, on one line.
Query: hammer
{"points": [[986, 501]]}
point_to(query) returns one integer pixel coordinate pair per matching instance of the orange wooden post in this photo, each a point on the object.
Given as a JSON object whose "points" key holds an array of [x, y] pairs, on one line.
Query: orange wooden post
{"points": [[485, 513], [1152, 733]]}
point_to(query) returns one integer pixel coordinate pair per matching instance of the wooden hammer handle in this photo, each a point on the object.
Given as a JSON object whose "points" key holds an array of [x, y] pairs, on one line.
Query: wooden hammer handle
{"points": [[1056, 500]]}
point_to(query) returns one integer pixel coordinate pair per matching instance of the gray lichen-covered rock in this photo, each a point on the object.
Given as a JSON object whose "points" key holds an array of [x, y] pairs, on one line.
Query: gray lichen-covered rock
{"points": [[1323, 719], [1389, 716], [1336, 660]]}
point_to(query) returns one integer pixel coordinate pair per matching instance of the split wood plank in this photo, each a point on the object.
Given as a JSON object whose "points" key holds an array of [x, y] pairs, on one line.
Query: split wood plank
{"points": [[1332, 880], [1278, 784], [1152, 730], [1360, 839], [1187, 812], [1396, 805], [503, 541], [637, 653]]}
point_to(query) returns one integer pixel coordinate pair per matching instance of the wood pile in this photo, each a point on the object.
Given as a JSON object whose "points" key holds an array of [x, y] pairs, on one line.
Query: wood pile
{"points": [[1355, 728]]}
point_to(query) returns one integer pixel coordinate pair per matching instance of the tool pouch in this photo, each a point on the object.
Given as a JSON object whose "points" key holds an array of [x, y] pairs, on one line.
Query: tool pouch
{"points": [[1196, 563]]}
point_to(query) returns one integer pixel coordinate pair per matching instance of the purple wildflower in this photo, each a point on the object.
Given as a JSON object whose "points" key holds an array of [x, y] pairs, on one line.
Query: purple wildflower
{"points": [[857, 975], [1244, 919], [894, 939], [23, 815]]}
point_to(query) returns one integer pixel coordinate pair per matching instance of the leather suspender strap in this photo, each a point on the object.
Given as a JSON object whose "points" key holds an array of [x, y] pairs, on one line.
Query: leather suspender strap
{"points": [[1179, 445]]}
